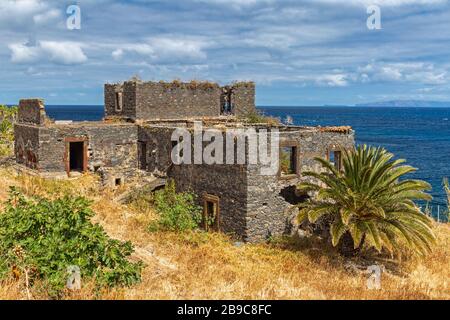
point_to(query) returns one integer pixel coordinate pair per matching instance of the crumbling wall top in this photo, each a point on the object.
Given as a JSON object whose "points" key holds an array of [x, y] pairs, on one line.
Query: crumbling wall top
{"points": [[32, 111]]}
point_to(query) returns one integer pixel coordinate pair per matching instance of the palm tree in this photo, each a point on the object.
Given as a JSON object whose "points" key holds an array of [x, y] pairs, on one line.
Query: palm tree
{"points": [[368, 202]]}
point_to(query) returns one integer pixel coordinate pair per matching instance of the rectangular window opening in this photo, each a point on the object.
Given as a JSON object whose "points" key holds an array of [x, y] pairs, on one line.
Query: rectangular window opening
{"points": [[142, 155], [227, 106], [118, 102], [335, 158], [119, 182], [211, 213], [288, 161]]}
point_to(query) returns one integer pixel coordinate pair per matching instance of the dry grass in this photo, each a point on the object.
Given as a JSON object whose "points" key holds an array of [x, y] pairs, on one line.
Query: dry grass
{"points": [[209, 266]]}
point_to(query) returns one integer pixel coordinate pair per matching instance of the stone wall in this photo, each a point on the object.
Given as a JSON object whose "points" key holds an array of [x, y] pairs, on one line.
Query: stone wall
{"points": [[110, 91], [158, 147], [254, 207], [26, 145], [243, 98], [31, 111], [177, 100], [130, 100], [227, 182], [270, 198], [156, 100], [108, 146]]}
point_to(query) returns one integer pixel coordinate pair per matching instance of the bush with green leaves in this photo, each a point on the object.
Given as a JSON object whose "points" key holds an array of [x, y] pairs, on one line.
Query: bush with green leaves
{"points": [[7, 118], [369, 203], [177, 211], [41, 239]]}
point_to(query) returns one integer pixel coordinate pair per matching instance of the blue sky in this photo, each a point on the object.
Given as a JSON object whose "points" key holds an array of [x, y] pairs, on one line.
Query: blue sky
{"points": [[309, 52]]}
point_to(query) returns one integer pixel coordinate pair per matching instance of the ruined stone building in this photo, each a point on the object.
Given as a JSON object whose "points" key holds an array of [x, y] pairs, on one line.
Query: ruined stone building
{"points": [[135, 139]]}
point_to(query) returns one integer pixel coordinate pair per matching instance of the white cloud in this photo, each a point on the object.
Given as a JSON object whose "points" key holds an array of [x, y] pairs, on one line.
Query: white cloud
{"points": [[236, 4], [333, 80], [165, 49], [419, 72], [26, 13], [47, 16], [21, 53], [64, 52], [385, 3], [52, 51], [304, 79], [308, 43], [20, 7]]}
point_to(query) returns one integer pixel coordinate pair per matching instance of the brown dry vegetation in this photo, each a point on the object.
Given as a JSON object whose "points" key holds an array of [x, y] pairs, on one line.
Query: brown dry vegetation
{"points": [[197, 265]]}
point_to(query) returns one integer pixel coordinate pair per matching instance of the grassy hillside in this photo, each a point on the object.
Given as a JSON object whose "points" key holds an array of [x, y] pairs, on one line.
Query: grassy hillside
{"points": [[197, 265]]}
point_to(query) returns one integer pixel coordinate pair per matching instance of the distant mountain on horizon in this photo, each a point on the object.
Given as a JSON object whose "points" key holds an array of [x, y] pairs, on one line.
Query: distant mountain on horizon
{"points": [[406, 103]]}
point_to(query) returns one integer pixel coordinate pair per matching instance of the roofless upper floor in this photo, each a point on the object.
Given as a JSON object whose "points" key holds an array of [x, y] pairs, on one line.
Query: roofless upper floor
{"points": [[137, 100]]}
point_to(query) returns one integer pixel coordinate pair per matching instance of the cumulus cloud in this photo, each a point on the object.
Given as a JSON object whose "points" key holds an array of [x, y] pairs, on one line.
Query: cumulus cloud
{"points": [[26, 12], [164, 50], [51, 51], [418, 72], [296, 43]]}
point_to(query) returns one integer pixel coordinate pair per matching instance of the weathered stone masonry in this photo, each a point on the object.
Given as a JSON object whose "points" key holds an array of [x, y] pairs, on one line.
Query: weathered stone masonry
{"points": [[135, 140], [137, 100], [253, 207]]}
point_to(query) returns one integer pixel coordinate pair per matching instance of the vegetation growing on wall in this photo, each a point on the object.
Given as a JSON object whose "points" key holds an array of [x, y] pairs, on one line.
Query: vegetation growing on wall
{"points": [[237, 84], [40, 239], [368, 203], [192, 85], [259, 118], [177, 211], [7, 117]]}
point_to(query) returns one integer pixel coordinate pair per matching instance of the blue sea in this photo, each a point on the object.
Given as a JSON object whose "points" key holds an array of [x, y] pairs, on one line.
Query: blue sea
{"points": [[419, 135]]}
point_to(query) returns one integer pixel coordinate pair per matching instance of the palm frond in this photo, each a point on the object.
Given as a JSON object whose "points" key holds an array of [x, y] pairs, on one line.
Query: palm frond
{"points": [[370, 200]]}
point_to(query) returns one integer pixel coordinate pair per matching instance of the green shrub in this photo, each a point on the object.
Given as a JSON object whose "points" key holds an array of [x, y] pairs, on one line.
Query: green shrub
{"points": [[177, 211], [7, 118], [41, 239]]}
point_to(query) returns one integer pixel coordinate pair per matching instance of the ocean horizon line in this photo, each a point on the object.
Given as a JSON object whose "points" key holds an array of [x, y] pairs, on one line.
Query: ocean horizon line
{"points": [[277, 106]]}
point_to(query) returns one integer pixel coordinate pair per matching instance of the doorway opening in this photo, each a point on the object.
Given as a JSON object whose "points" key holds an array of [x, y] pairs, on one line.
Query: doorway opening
{"points": [[76, 156]]}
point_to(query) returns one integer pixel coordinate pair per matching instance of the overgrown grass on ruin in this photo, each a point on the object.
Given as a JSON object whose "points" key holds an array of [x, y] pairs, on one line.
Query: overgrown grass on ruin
{"points": [[259, 117], [199, 265]]}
